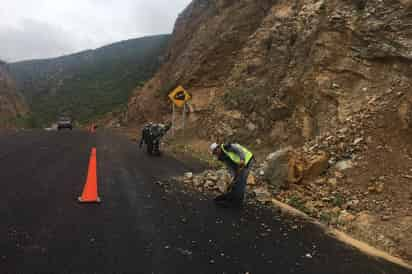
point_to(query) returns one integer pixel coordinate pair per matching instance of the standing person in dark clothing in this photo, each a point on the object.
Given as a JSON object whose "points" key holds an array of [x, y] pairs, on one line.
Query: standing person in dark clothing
{"points": [[239, 161], [152, 135], [146, 137]]}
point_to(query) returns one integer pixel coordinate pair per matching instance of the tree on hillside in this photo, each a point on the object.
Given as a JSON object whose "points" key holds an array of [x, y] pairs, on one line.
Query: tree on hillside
{"points": [[91, 83]]}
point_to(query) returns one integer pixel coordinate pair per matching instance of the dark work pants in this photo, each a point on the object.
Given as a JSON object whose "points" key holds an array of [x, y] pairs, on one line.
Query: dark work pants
{"points": [[237, 191]]}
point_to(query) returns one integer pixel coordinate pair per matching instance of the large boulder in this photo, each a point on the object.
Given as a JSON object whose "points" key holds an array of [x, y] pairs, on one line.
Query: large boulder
{"points": [[287, 166], [276, 168], [317, 164]]}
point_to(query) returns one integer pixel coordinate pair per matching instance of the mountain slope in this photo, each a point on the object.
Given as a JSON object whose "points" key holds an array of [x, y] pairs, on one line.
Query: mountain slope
{"points": [[331, 78], [308, 63], [90, 83], [12, 104]]}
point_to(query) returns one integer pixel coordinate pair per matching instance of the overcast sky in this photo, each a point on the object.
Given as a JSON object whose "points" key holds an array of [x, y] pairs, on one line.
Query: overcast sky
{"points": [[48, 28]]}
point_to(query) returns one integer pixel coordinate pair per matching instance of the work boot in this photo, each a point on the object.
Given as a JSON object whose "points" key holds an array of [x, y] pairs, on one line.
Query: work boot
{"points": [[228, 201], [220, 198], [235, 204]]}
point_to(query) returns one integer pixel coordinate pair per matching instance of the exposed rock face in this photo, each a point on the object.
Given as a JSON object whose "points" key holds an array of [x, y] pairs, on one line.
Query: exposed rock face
{"points": [[207, 39], [331, 78], [11, 103], [305, 64]]}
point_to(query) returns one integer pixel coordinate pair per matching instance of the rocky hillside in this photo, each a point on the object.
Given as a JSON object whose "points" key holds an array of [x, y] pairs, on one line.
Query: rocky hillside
{"points": [[11, 103], [287, 68], [331, 79], [88, 84]]}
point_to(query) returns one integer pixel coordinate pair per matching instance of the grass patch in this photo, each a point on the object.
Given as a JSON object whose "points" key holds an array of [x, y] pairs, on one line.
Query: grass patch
{"points": [[299, 204], [338, 200], [325, 217]]}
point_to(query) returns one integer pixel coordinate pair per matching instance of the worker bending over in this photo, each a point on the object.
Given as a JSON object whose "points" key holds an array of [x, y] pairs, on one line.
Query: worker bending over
{"points": [[239, 161]]}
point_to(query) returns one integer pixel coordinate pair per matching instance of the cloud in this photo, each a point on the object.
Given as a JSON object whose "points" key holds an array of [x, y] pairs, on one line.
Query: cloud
{"points": [[48, 28], [155, 19], [33, 40]]}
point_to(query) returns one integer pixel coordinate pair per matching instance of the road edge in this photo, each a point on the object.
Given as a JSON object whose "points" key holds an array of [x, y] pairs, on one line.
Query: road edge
{"points": [[343, 237]]}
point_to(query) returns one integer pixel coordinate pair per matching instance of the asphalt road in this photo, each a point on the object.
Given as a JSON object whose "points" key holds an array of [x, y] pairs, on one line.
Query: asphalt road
{"points": [[142, 226]]}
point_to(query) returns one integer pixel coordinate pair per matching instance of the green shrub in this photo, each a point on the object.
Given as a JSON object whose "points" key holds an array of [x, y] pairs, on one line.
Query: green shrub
{"points": [[297, 203], [338, 200]]}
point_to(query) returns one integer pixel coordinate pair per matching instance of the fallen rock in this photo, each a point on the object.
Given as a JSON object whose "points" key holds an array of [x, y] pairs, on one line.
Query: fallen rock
{"points": [[251, 180], [295, 170], [358, 141], [339, 175], [377, 188], [209, 184], [234, 114], [380, 187], [197, 181], [262, 194], [343, 165], [251, 127], [221, 173], [333, 182], [352, 204], [221, 186], [188, 175], [277, 168], [346, 217], [364, 221], [385, 218], [317, 165], [224, 176], [320, 181], [371, 189]]}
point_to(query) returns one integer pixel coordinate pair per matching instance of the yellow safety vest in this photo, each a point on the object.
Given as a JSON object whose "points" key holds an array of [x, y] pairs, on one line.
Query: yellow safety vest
{"points": [[235, 158]]}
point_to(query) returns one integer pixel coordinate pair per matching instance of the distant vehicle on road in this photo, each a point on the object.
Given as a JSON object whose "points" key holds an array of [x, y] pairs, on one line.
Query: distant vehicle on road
{"points": [[64, 123], [53, 127]]}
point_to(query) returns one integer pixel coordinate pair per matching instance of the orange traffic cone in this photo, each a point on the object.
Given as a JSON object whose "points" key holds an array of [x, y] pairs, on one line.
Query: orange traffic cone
{"points": [[90, 188]]}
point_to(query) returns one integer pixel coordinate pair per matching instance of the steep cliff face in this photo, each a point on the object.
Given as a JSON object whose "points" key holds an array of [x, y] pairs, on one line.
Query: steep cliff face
{"points": [[331, 77], [11, 103], [207, 39], [285, 68]]}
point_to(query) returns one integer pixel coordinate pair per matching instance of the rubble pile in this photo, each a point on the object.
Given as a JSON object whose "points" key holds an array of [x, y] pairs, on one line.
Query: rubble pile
{"points": [[316, 181], [213, 181]]}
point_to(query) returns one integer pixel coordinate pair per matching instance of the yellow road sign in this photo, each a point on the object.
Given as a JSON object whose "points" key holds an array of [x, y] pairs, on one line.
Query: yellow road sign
{"points": [[179, 96]]}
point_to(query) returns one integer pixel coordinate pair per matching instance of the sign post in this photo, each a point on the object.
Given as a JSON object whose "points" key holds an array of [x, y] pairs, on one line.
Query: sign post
{"points": [[184, 119], [173, 119], [179, 97]]}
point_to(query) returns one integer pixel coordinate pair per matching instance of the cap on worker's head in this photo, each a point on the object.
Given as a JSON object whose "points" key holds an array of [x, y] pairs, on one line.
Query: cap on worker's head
{"points": [[213, 147]]}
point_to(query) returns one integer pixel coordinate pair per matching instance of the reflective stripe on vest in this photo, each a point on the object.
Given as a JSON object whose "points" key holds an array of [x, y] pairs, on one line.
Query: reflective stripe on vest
{"points": [[235, 158]]}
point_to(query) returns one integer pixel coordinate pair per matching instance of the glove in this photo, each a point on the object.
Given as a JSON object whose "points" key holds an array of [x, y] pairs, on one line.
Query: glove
{"points": [[241, 164]]}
